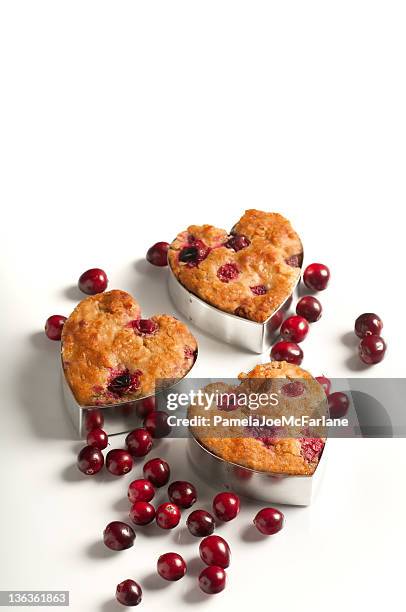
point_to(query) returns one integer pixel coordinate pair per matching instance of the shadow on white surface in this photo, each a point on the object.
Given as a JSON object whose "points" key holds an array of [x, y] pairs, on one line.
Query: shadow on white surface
{"points": [[150, 289], [73, 293], [154, 582], [98, 550], [111, 606]]}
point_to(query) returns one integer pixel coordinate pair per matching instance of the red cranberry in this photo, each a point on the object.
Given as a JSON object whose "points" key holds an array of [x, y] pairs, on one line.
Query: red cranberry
{"points": [[142, 513], [226, 506], [295, 261], [325, 383], [119, 462], [182, 493], [338, 404], [126, 382], [145, 406], [158, 254], [293, 389], [194, 253], [212, 579], [90, 460], [372, 349], [269, 521], [140, 490], [310, 308], [93, 281], [214, 550], [294, 329], [129, 593], [97, 438], [53, 326], [259, 289], [316, 276], [200, 523], [275, 321], [156, 423], [171, 566], [287, 351], [157, 471], [94, 420], [167, 515], [139, 442], [311, 448], [228, 272], [237, 242], [144, 326], [368, 324], [118, 535]]}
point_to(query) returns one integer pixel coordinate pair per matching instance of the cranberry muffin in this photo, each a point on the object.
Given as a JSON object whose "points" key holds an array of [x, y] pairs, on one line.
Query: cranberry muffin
{"points": [[111, 356], [278, 450], [249, 272]]}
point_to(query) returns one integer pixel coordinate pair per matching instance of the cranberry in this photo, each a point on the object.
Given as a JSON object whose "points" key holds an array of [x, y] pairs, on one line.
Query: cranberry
{"points": [[325, 383], [316, 276], [311, 448], [293, 389], [338, 404], [94, 420], [228, 272], [171, 566], [167, 515], [158, 254], [93, 281], [200, 523], [90, 460], [212, 579], [287, 351], [194, 253], [129, 593], [182, 493], [214, 550], [144, 326], [53, 326], [269, 521], [294, 329], [140, 490], [97, 438], [259, 289], [372, 349], [275, 321], [126, 382], [157, 471], [118, 535], [295, 261], [139, 442], [190, 353], [145, 406], [119, 462], [226, 506], [142, 513], [368, 324], [156, 423], [237, 242], [310, 308]]}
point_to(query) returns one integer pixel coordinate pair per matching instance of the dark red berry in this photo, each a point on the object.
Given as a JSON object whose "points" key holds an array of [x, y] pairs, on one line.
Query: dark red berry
{"points": [[226, 506], [269, 521], [129, 593], [158, 254], [316, 276], [171, 566], [259, 289], [287, 351], [139, 442], [311, 448], [200, 523], [142, 513], [140, 490], [325, 383], [194, 253], [237, 242], [90, 460], [294, 329], [368, 324], [338, 404], [212, 579], [53, 326], [372, 349], [156, 423], [157, 471], [118, 535], [228, 272], [97, 438], [125, 382], [167, 515], [93, 281], [310, 308], [295, 261], [145, 407], [293, 389], [214, 550], [182, 493], [119, 462], [145, 327], [94, 420], [275, 321]]}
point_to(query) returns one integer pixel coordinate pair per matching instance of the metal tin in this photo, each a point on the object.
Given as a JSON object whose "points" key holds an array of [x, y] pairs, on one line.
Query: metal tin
{"points": [[264, 486], [256, 337]]}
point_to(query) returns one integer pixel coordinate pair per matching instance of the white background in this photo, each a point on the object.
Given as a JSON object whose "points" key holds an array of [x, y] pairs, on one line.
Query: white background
{"points": [[124, 122]]}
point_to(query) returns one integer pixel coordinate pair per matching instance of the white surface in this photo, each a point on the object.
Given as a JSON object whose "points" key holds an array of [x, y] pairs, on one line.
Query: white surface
{"points": [[122, 123]]}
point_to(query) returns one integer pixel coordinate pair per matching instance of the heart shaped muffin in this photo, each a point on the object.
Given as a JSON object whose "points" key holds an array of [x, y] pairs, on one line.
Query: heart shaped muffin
{"points": [[110, 355], [249, 272]]}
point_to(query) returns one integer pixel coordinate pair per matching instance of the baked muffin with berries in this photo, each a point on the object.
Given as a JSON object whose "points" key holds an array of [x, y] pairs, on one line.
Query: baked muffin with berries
{"points": [[110, 355], [248, 272], [293, 449]]}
